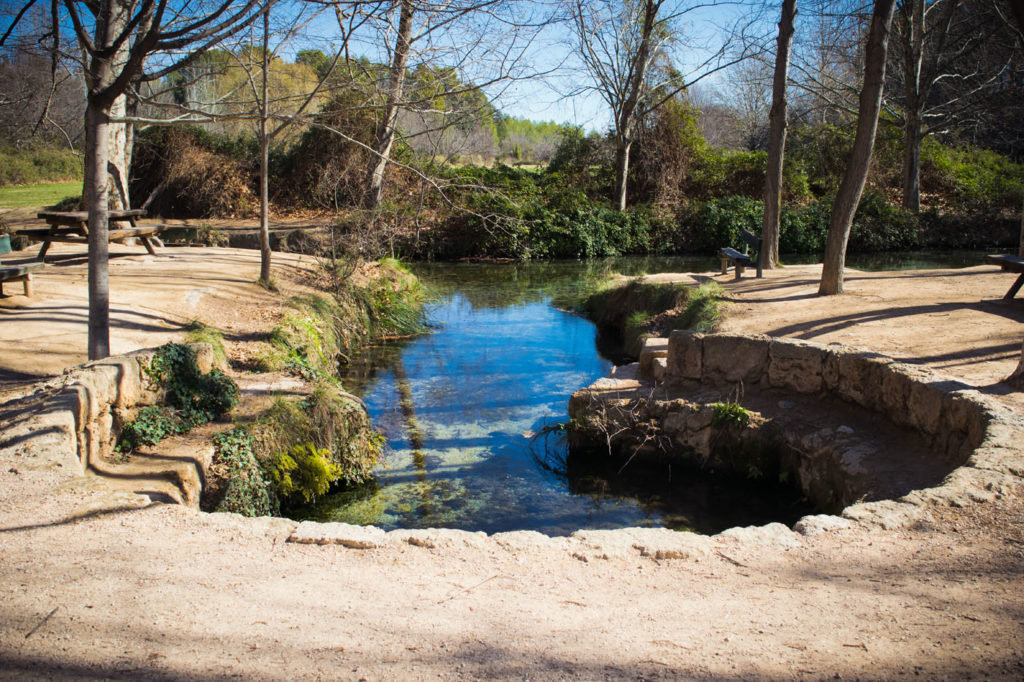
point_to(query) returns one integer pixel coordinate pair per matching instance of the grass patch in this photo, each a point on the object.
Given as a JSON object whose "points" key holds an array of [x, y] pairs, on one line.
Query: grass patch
{"points": [[200, 332], [41, 194], [636, 310]]}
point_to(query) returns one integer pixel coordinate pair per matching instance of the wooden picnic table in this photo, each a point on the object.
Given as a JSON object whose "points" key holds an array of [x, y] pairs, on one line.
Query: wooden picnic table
{"points": [[1009, 264], [73, 227]]}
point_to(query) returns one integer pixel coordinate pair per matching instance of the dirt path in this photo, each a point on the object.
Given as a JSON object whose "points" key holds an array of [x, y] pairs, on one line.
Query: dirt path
{"points": [[98, 584]]}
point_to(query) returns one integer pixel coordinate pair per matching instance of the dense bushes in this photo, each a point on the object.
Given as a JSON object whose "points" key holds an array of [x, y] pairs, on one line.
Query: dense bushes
{"points": [[686, 196], [195, 174]]}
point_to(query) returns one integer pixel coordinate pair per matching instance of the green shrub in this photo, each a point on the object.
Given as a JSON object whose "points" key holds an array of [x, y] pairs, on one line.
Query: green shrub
{"points": [[718, 222], [192, 398], [303, 470], [881, 226], [329, 420], [730, 414], [720, 172], [971, 180], [151, 425], [244, 487]]}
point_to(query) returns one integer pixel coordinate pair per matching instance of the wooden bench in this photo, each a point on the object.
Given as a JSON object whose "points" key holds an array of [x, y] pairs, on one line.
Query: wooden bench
{"points": [[1009, 264], [16, 273], [742, 259]]}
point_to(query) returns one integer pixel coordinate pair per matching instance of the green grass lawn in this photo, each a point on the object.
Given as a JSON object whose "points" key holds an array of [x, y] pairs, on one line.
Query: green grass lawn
{"points": [[43, 194]]}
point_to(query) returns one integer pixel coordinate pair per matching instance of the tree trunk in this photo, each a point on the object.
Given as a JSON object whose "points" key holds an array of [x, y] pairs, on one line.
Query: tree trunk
{"points": [[97, 121], [118, 163], [622, 172], [1020, 241], [265, 254], [386, 131], [912, 139], [852, 186], [913, 50], [1017, 378], [769, 254]]}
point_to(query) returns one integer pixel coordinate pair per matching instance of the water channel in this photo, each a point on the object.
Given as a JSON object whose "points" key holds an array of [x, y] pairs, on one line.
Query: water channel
{"points": [[466, 409]]}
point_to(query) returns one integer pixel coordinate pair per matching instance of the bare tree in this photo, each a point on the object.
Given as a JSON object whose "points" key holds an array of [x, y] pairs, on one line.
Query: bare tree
{"points": [[949, 59], [388, 121], [852, 186], [146, 27], [467, 45], [769, 254], [619, 43]]}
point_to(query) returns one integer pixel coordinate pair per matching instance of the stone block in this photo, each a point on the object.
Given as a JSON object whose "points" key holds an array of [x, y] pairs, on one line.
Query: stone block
{"points": [[655, 348], [735, 358], [796, 365], [659, 369], [887, 514], [771, 535], [347, 535], [830, 366], [1003, 460], [809, 526], [860, 378], [434, 538], [685, 355]]}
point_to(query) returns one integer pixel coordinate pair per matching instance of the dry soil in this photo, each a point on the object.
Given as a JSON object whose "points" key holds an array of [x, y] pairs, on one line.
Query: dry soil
{"points": [[98, 584]]}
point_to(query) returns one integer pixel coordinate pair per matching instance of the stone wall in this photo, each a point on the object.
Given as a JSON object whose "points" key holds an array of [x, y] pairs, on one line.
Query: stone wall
{"points": [[966, 443], [78, 416], [949, 414]]}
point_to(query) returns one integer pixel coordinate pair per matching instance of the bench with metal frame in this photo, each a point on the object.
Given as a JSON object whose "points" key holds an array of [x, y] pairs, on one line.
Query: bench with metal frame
{"points": [[743, 259]]}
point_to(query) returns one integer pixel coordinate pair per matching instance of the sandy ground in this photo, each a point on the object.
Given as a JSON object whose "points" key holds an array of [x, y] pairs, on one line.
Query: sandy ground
{"points": [[95, 587]]}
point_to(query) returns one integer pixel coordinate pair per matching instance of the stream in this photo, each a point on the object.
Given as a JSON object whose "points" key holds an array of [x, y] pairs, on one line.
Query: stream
{"points": [[470, 414]]}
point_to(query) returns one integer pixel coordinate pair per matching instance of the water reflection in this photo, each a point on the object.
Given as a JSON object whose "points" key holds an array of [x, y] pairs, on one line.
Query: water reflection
{"points": [[460, 408]]}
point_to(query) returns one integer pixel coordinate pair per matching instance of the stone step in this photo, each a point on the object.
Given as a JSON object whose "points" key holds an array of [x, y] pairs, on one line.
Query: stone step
{"points": [[173, 470], [654, 348]]}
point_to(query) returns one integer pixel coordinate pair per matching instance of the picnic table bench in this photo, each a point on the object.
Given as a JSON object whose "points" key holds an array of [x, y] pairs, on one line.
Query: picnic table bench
{"points": [[742, 259], [16, 273], [73, 227], [1009, 264]]}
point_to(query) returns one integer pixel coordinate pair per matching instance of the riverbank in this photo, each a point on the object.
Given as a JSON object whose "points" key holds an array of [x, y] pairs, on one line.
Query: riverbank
{"points": [[103, 584]]}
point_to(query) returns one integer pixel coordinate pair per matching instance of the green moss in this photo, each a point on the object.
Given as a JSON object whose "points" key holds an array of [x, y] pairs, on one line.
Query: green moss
{"points": [[637, 309], [303, 470], [320, 329], [200, 332], [330, 420]]}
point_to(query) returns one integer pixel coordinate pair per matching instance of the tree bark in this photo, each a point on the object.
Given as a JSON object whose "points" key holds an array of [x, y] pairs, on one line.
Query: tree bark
{"points": [[265, 254], [622, 151], [852, 186], [97, 184], [769, 254], [386, 131], [913, 57]]}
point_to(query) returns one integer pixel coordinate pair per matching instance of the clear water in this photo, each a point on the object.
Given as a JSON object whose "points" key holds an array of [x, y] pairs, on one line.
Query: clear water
{"points": [[462, 409]]}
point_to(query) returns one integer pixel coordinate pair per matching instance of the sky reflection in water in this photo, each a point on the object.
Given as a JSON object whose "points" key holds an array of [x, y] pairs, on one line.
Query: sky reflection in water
{"points": [[459, 406]]}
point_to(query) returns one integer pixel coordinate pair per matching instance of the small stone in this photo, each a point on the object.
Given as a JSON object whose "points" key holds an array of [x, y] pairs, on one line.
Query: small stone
{"points": [[845, 429], [809, 526]]}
